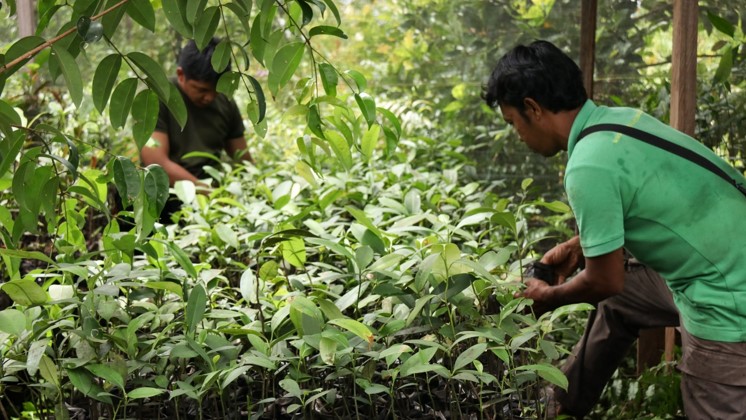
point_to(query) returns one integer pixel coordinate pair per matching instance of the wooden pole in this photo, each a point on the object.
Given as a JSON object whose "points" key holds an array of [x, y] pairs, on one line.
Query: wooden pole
{"points": [[588, 13], [683, 88], [25, 10]]}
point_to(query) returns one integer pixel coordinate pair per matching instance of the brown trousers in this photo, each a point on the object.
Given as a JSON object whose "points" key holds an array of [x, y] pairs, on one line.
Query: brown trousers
{"points": [[646, 302]]}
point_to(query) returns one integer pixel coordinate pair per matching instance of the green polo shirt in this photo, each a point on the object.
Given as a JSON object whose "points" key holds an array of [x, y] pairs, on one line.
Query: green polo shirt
{"points": [[673, 215], [208, 129]]}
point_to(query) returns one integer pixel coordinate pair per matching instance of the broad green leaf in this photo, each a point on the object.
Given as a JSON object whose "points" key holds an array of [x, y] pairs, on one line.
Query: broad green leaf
{"points": [[221, 57], [35, 255], [327, 350], [721, 24], [330, 310], [367, 107], [248, 285], [333, 7], [70, 72], [340, 147], [327, 30], [121, 102], [169, 286], [104, 80], [724, 67], [126, 179], [284, 64], [195, 309], [548, 372], [386, 262], [13, 322], [329, 78], [83, 381], [291, 387], [393, 353], [177, 106], [156, 78], [182, 258], [145, 115], [393, 119], [48, 370], [111, 20], [369, 141], [363, 256], [155, 186], [469, 355], [363, 219], [228, 82], [232, 375], [194, 9], [175, 11], [19, 49], [359, 329], [294, 252], [186, 191], [141, 11], [25, 292], [107, 373], [506, 219], [359, 79], [555, 206], [144, 392], [526, 183], [206, 25], [227, 235], [305, 170], [261, 103], [419, 304]]}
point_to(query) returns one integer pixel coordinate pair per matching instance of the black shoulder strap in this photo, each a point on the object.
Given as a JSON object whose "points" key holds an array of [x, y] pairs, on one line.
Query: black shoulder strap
{"points": [[661, 143]]}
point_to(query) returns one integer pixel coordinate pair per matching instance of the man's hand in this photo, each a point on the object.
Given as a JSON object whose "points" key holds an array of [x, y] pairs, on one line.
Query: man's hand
{"points": [[538, 291], [565, 258]]}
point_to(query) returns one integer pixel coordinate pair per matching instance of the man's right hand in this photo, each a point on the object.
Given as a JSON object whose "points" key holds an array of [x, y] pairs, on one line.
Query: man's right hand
{"points": [[565, 257]]}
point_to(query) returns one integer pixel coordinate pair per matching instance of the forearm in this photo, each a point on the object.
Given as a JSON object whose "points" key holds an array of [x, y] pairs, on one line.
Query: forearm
{"points": [[580, 289]]}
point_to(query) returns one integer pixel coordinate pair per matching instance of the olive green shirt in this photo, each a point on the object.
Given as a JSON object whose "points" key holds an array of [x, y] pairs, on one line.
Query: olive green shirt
{"points": [[208, 129]]}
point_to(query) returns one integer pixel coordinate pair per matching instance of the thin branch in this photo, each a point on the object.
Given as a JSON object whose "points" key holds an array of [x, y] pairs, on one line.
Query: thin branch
{"points": [[56, 39]]}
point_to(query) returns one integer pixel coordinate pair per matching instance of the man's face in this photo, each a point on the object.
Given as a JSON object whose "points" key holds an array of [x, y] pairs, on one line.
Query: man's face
{"points": [[530, 130], [199, 93]]}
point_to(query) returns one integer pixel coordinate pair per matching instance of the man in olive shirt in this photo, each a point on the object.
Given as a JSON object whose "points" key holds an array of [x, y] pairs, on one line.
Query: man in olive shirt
{"points": [[213, 122], [675, 216]]}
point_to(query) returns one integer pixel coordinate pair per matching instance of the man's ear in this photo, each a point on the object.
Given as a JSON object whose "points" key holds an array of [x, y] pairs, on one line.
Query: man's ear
{"points": [[532, 107]]}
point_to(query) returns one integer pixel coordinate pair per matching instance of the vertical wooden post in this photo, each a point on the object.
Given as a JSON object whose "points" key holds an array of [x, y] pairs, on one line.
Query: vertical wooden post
{"points": [[683, 88], [26, 17], [588, 13]]}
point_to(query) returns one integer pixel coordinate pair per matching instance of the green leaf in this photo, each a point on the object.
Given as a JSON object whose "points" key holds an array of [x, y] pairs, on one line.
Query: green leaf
{"points": [[83, 381], [228, 82], [108, 373], [340, 147], [721, 24], [724, 67], [145, 115], [177, 106], [141, 11], [126, 179], [111, 20], [121, 102], [227, 235], [549, 373], [327, 30], [363, 256], [70, 72], [367, 107], [156, 185], [156, 78], [175, 11], [181, 258], [333, 7], [13, 322], [221, 57], [291, 387], [294, 252], [195, 309], [358, 78], [555, 206], [327, 350], [48, 371], [258, 99], [355, 327], [329, 78], [144, 392], [25, 292], [19, 49], [194, 9], [284, 64], [469, 355], [206, 25], [369, 141], [104, 80]]}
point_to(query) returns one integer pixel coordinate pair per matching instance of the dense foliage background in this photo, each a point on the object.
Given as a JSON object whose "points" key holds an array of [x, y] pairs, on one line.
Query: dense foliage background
{"points": [[365, 266]]}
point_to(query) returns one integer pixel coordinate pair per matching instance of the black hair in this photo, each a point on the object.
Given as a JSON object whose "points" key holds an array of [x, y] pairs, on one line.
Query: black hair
{"points": [[540, 71], [197, 65]]}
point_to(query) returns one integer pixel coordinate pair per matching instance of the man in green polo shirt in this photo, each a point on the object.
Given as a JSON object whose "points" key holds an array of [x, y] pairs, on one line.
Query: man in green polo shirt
{"points": [[213, 124], [673, 215]]}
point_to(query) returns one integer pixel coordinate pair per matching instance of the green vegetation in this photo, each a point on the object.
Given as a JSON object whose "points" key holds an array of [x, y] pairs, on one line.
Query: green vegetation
{"points": [[365, 268]]}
